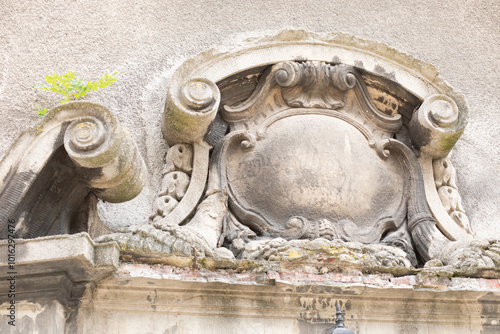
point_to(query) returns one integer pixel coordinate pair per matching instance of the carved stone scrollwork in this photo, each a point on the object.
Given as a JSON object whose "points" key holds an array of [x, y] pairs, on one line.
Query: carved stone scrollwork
{"points": [[98, 143], [50, 176], [311, 80], [434, 128], [189, 111], [437, 124], [183, 183], [309, 99], [310, 154]]}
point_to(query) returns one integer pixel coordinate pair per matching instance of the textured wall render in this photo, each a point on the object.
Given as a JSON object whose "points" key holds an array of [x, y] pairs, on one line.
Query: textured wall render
{"points": [[146, 41]]}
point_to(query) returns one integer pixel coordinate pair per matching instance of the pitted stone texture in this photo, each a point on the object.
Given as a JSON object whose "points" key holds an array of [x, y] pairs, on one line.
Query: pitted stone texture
{"points": [[348, 253], [470, 256], [164, 297], [171, 239]]}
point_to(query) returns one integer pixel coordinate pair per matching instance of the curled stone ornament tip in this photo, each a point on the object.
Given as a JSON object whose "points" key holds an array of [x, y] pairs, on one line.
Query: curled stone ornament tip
{"points": [[197, 94]]}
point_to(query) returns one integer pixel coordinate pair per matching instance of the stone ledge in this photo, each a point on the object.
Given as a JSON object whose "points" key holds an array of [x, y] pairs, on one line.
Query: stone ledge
{"points": [[420, 281], [318, 262], [225, 301], [53, 267]]}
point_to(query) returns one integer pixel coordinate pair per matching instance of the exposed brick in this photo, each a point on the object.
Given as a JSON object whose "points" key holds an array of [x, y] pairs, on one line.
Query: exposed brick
{"points": [[433, 282], [376, 279], [404, 280], [273, 275], [489, 283]]}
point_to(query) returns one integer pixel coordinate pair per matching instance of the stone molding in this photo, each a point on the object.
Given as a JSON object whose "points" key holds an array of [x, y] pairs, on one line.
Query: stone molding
{"points": [[226, 101], [189, 299], [56, 263], [48, 277]]}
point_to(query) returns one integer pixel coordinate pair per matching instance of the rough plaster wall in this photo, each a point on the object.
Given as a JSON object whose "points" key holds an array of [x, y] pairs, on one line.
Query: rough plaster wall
{"points": [[145, 40]]}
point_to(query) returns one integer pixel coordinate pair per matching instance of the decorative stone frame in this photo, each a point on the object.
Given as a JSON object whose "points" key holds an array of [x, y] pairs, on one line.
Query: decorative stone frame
{"points": [[395, 81]]}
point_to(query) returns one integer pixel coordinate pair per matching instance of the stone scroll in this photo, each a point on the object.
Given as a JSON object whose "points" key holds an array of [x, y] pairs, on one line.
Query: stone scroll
{"points": [[51, 177]]}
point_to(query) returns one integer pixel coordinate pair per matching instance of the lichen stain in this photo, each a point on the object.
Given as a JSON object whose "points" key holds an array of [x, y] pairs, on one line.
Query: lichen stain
{"points": [[294, 254]]}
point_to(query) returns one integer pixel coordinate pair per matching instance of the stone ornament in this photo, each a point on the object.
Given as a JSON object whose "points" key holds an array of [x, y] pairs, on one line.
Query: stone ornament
{"points": [[52, 175], [283, 144], [176, 180], [308, 159], [446, 185], [344, 148]]}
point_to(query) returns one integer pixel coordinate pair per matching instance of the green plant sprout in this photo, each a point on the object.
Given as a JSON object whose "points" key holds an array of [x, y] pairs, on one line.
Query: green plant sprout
{"points": [[71, 87]]}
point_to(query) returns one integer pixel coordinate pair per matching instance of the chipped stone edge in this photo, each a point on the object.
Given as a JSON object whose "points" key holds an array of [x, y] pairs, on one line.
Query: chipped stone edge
{"points": [[99, 259]]}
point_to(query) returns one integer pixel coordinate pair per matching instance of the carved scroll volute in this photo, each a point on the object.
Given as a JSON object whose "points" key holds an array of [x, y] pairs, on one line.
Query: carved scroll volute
{"points": [[109, 159], [44, 179], [189, 110], [436, 126], [434, 129]]}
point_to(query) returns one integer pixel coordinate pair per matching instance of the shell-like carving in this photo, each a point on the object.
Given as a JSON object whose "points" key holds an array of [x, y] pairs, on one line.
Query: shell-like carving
{"points": [[163, 205], [449, 197], [461, 219], [444, 173], [446, 184]]}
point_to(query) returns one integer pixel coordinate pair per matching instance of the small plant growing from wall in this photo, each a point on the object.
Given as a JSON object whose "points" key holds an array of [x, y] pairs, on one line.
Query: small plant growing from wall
{"points": [[71, 87]]}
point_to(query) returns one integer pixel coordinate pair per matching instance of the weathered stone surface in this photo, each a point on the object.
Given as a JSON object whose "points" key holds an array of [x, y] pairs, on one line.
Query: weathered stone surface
{"points": [[175, 300], [317, 167], [48, 175], [146, 43], [45, 279], [307, 155], [170, 239], [75, 255], [60, 289], [35, 318]]}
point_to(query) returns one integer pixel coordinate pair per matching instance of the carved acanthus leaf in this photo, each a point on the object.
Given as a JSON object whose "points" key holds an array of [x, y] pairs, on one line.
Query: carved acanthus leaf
{"points": [[313, 85]]}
